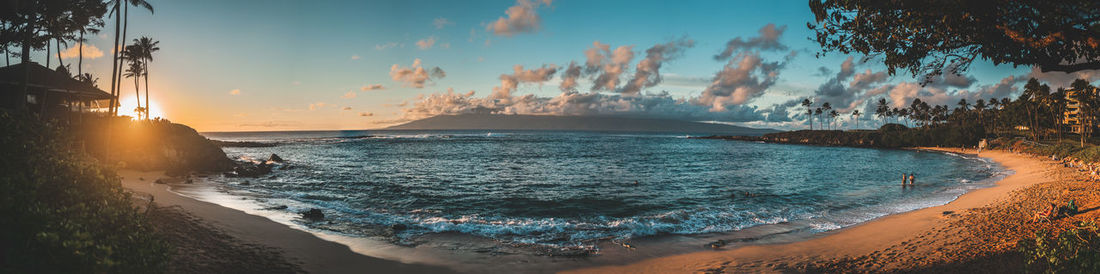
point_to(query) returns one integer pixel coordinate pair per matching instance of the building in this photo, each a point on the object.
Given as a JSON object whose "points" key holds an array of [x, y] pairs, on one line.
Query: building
{"points": [[49, 92], [1072, 116]]}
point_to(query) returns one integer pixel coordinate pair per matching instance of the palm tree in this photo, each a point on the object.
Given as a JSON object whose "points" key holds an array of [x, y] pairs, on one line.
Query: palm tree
{"points": [[817, 111], [144, 48], [1087, 100], [832, 117], [806, 103], [86, 78], [1057, 101], [882, 110], [121, 9], [135, 70], [855, 116], [826, 107]]}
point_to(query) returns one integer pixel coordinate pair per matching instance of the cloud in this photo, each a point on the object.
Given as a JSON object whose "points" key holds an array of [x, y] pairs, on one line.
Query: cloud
{"points": [[441, 22], [349, 95], [647, 72], [415, 76], [347, 108], [386, 46], [569, 77], [768, 40], [371, 87], [426, 43], [848, 89], [607, 65], [745, 77], [235, 92], [355, 57], [316, 106], [90, 52], [509, 82], [366, 114], [520, 18], [1061, 79]]}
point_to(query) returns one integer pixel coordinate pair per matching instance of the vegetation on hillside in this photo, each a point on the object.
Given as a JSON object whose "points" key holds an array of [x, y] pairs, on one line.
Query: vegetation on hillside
{"points": [[64, 212]]}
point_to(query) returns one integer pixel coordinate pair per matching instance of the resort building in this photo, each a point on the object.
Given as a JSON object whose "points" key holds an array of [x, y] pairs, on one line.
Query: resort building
{"points": [[1072, 116], [49, 92]]}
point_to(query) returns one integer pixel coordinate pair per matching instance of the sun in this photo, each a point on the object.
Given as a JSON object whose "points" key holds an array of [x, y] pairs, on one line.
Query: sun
{"points": [[127, 106]]}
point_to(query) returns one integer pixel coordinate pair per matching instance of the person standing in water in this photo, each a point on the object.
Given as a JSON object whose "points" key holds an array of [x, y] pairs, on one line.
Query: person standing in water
{"points": [[912, 179], [903, 179]]}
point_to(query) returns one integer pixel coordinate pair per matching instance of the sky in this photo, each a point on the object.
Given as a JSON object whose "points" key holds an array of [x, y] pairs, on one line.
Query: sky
{"points": [[326, 65]]}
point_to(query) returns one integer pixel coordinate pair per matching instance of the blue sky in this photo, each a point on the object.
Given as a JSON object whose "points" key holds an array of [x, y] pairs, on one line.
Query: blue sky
{"points": [[304, 64]]}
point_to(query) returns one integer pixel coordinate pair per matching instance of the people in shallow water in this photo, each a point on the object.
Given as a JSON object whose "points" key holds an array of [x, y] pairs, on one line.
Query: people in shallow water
{"points": [[912, 179], [904, 178]]}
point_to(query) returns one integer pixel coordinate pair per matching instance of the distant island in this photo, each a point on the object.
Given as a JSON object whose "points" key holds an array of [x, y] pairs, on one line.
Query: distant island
{"points": [[580, 123]]}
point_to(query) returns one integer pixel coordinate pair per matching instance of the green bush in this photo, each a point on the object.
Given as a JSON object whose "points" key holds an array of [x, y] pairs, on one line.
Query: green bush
{"points": [[1075, 250], [62, 212]]}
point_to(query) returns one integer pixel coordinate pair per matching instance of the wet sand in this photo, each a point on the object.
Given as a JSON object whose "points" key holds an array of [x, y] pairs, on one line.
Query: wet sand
{"points": [[254, 234], [978, 231]]}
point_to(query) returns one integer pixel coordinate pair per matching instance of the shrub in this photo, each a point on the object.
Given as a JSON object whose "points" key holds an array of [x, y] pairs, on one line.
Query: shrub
{"points": [[63, 212], [1075, 250]]}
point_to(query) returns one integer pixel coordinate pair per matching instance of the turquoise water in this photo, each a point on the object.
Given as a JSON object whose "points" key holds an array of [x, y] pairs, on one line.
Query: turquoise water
{"points": [[577, 188]]}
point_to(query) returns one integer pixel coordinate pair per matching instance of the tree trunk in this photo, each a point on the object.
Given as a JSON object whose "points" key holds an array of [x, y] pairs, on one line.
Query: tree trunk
{"points": [[137, 97], [114, 64], [59, 62], [21, 96], [146, 76], [125, 25], [80, 59]]}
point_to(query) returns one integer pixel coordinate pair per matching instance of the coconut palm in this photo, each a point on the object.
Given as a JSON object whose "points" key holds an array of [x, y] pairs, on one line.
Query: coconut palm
{"points": [[806, 103], [855, 117], [135, 70], [832, 117], [882, 110], [1087, 99], [121, 11], [144, 48]]}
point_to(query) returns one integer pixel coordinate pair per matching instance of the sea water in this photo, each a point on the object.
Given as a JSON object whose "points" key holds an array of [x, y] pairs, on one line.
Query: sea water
{"points": [[566, 189]]}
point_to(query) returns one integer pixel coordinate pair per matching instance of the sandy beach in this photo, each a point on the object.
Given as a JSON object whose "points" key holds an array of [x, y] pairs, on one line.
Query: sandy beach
{"points": [[977, 231], [257, 244], [956, 236]]}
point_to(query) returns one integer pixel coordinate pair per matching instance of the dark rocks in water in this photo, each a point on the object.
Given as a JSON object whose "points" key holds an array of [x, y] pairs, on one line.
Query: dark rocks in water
{"points": [[245, 183], [275, 158], [278, 207], [398, 227], [250, 170], [717, 244], [313, 214]]}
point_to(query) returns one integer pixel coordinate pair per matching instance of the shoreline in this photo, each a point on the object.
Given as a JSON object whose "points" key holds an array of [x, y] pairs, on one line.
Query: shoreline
{"points": [[313, 254], [884, 235]]}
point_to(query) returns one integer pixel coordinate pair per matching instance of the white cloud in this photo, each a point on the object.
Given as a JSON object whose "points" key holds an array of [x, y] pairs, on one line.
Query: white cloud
{"points": [[520, 18], [317, 105], [235, 92], [90, 52], [349, 95], [371, 87], [426, 43], [415, 76]]}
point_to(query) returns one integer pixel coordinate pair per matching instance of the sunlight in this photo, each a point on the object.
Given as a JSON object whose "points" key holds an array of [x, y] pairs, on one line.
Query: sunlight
{"points": [[128, 105]]}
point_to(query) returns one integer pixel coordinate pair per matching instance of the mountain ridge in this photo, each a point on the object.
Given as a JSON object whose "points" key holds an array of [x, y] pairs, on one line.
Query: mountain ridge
{"points": [[580, 123]]}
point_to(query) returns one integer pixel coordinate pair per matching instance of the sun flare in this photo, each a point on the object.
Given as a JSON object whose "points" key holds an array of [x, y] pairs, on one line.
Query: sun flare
{"points": [[128, 107]]}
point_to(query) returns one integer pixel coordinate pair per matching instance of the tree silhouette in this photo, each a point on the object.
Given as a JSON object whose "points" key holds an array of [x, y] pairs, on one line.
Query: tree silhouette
{"points": [[946, 36]]}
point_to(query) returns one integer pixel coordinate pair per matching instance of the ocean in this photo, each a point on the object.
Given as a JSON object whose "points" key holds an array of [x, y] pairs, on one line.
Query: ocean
{"points": [[534, 192]]}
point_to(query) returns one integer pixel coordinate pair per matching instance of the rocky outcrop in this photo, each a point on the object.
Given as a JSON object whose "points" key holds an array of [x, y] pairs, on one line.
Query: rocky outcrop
{"points": [[313, 214]]}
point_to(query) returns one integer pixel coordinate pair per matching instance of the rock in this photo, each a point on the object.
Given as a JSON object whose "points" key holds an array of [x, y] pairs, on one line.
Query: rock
{"points": [[313, 214], [245, 183], [278, 207], [189, 181], [717, 244], [250, 170], [160, 181], [398, 227], [275, 158]]}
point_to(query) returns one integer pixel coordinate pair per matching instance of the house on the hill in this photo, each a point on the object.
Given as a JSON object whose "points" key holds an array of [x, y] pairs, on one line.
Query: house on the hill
{"points": [[1072, 115], [49, 92]]}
